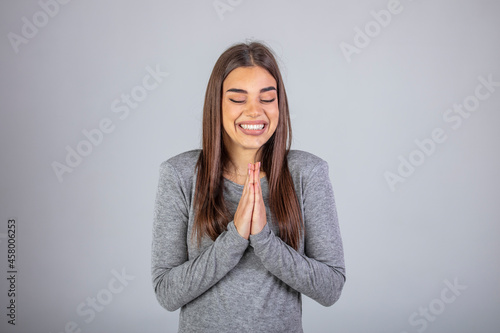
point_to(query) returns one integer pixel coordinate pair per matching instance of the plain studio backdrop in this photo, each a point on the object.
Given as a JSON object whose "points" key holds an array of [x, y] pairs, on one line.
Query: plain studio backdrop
{"points": [[401, 98]]}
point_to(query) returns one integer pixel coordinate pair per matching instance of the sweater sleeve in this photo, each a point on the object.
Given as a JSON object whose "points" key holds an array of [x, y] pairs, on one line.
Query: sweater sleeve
{"points": [[177, 280], [320, 272]]}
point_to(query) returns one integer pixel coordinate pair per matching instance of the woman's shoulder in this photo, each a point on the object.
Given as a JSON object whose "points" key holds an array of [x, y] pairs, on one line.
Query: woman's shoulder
{"points": [[304, 162], [184, 163], [187, 157], [307, 169]]}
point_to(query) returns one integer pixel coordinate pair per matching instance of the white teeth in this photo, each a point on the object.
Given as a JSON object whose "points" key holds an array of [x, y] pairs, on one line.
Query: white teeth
{"points": [[252, 127]]}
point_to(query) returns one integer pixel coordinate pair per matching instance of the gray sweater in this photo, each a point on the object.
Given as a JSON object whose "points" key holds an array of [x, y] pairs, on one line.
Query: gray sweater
{"points": [[237, 285]]}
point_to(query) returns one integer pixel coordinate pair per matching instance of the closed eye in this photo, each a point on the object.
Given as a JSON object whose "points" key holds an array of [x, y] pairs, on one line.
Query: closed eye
{"points": [[268, 100], [235, 101]]}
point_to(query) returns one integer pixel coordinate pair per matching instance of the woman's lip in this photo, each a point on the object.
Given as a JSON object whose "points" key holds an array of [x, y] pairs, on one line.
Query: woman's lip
{"points": [[252, 122], [252, 132]]}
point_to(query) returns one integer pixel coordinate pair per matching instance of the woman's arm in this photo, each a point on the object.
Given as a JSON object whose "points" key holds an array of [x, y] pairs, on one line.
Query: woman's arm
{"points": [[176, 280], [320, 273]]}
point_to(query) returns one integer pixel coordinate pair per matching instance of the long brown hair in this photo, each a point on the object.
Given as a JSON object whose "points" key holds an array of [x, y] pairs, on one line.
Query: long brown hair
{"points": [[212, 215]]}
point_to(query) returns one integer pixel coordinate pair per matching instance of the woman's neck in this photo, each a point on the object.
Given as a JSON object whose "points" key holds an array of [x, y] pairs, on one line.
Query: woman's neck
{"points": [[240, 160], [237, 168]]}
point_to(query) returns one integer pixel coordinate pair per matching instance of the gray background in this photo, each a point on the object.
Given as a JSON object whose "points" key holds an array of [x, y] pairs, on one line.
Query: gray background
{"points": [[401, 245]]}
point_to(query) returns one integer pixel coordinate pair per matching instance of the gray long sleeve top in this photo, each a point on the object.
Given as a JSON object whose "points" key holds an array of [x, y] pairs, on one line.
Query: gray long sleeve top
{"points": [[237, 285]]}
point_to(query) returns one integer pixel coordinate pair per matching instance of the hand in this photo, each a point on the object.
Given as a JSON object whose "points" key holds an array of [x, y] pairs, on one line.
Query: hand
{"points": [[259, 209], [243, 215]]}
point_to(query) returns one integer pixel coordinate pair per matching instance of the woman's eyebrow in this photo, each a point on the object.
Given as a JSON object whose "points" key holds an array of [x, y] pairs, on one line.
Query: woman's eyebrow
{"points": [[241, 91], [267, 89]]}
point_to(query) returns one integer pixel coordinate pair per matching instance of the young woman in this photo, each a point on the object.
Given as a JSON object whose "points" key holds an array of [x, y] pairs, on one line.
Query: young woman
{"points": [[245, 225]]}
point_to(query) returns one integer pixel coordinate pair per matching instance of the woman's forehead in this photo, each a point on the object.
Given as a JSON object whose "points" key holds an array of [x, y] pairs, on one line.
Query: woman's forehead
{"points": [[253, 78]]}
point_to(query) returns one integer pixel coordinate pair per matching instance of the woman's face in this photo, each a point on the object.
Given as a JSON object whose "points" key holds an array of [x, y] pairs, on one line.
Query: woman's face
{"points": [[249, 108]]}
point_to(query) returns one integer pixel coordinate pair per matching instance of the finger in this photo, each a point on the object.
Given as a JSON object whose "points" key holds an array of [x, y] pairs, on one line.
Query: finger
{"points": [[248, 194], [259, 198], [244, 211], [247, 181], [255, 172], [258, 189], [252, 181], [252, 169], [257, 175]]}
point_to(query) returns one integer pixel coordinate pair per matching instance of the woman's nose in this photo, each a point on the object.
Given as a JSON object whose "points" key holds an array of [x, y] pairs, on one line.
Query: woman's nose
{"points": [[253, 109]]}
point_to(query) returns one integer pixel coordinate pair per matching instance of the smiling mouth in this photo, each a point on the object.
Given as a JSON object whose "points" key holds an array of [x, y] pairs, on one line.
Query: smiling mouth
{"points": [[252, 127]]}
